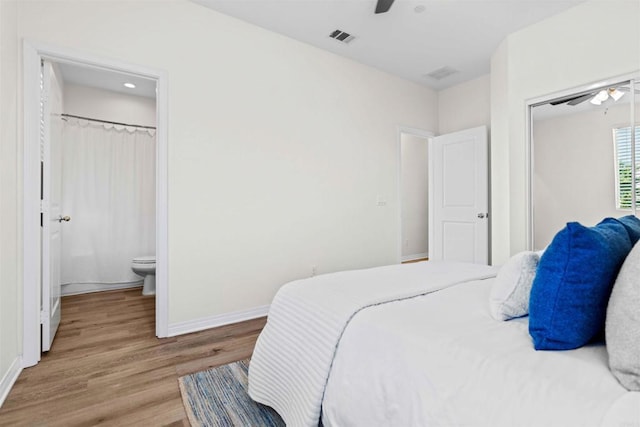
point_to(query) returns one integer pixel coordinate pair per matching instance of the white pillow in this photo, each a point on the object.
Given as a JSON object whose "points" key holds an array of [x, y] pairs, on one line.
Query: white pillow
{"points": [[510, 291], [622, 328]]}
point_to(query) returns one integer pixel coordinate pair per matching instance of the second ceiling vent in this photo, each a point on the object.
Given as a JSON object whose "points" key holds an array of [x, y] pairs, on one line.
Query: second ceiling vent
{"points": [[441, 73], [342, 36]]}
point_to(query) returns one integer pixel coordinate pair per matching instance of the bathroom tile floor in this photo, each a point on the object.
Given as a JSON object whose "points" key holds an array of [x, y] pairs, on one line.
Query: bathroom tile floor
{"points": [[106, 366]]}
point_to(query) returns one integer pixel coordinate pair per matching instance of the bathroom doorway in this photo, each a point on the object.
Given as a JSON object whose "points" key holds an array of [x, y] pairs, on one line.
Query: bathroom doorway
{"points": [[108, 156], [115, 122]]}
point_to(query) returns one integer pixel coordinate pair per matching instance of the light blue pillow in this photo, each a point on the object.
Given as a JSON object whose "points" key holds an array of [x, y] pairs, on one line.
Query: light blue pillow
{"points": [[511, 289], [569, 296]]}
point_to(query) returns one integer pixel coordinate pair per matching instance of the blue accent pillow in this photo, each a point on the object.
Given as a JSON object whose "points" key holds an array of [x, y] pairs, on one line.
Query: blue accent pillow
{"points": [[569, 296], [632, 224]]}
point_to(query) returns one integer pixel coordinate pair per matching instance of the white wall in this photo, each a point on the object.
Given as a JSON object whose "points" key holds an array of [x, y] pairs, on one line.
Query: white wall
{"points": [[10, 199], [277, 150], [464, 106], [414, 181], [111, 106], [559, 53], [574, 176]]}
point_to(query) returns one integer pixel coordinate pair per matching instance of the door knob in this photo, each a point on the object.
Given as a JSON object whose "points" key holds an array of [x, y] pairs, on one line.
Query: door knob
{"points": [[65, 218]]}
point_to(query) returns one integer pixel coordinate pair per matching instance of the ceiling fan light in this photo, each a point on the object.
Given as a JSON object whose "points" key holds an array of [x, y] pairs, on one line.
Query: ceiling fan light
{"points": [[616, 94], [602, 95]]}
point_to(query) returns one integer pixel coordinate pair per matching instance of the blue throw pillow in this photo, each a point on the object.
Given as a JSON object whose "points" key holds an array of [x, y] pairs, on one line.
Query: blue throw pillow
{"points": [[632, 224], [569, 296]]}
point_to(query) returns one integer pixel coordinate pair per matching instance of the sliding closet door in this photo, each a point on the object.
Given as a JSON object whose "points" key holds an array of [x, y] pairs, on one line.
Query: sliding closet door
{"points": [[585, 158], [635, 141]]}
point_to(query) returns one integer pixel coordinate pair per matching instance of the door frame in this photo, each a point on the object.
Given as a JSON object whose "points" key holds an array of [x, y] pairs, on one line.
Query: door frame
{"points": [[33, 52], [420, 133]]}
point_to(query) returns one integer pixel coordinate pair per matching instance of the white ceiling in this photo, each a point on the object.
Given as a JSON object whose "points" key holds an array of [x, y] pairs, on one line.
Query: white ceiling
{"points": [[461, 34], [107, 79]]}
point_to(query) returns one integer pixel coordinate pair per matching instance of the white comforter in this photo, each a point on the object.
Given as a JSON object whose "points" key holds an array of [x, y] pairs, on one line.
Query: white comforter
{"points": [[293, 356], [441, 360]]}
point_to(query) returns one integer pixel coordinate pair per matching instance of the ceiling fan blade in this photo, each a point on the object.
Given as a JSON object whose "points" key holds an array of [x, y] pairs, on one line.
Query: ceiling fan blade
{"points": [[580, 99], [383, 6], [572, 100]]}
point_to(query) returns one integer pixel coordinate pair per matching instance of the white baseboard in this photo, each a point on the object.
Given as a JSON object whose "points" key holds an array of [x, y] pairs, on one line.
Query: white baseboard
{"points": [[85, 288], [9, 379], [414, 257], [196, 325]]}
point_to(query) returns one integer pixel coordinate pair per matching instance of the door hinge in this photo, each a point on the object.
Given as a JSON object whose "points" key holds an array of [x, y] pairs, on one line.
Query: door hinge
{"points": [[43, 316]]}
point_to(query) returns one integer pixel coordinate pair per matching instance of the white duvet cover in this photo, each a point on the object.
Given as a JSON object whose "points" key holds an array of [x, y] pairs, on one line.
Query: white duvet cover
{"points": [[441, 360], [294, 353]]}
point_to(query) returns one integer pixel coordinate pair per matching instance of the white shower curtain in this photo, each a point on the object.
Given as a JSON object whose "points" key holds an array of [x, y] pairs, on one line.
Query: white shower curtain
{"points": [[108, 190]]}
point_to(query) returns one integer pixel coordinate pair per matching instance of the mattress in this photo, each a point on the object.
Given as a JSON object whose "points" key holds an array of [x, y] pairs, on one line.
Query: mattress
{"points": [[441, 360]]}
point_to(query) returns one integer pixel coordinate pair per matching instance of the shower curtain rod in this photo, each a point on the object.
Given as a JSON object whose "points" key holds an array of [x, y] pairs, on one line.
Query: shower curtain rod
{"points": [[106, 121]]}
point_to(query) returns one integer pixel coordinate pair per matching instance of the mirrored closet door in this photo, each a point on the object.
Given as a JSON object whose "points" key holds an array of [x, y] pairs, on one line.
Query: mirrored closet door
{"points": [[585, 158]]}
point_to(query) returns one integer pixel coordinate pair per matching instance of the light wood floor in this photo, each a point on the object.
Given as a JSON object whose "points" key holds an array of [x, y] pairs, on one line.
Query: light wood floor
{"points": [[415, 260], [107, 367]]}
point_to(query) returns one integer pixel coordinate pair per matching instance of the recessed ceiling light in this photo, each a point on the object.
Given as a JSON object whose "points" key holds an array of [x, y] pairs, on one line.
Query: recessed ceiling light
{"points": [[130, 85], [420, 8]]}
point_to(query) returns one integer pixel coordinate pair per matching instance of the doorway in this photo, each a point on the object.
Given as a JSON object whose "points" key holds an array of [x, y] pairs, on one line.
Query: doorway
{"points": [[35, 314], [414, 193], [451, 172]]}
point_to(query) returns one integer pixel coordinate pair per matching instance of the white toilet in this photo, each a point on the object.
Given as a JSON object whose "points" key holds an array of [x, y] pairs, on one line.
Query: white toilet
{"points": [[145, 266]]}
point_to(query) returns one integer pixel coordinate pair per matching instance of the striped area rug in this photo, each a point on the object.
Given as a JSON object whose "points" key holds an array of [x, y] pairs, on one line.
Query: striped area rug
{"points": [[218, 397]]}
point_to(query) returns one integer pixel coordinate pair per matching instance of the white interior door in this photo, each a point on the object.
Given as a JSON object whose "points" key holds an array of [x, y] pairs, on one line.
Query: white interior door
{"points": [[458, 208], [52, 220]]}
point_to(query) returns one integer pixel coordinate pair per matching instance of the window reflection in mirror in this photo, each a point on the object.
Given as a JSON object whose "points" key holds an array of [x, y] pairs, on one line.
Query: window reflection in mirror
{"points": [[582, 159]]}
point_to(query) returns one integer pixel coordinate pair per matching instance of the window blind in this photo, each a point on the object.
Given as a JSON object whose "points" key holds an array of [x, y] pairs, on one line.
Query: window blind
{"points": [[623, 166]]}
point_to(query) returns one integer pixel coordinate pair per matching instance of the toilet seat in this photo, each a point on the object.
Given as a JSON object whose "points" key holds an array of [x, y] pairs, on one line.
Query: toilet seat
{"points": [[150, 259]]}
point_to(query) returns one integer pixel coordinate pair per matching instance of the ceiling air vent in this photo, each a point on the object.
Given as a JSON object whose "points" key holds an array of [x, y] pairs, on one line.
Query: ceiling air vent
{"points": [[341, 36], [441, 73]]}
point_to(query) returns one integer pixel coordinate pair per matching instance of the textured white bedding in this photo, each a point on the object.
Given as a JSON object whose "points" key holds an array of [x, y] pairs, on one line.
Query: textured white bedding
{"points": [[294, 353], [441, 360]]}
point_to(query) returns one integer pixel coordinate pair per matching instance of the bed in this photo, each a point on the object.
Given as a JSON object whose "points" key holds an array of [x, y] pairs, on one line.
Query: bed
{"points": [[414, 345], [442, 360]]}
